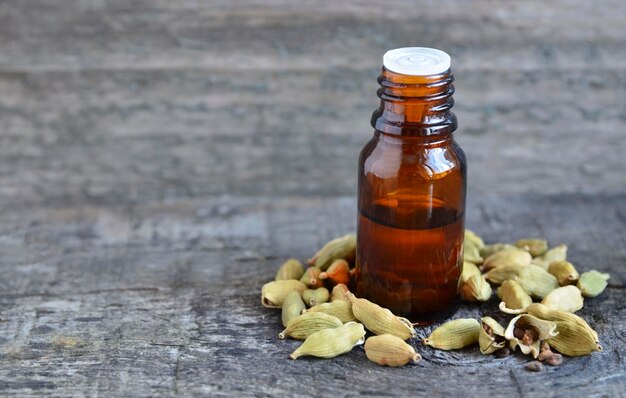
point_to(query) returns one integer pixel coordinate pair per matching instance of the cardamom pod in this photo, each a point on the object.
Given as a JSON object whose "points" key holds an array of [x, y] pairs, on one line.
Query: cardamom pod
{"points": [[313, 297], [469, 269], [527, 332], [339, 292], [330, 343], [311, 278], [476, 288], [566, 298], [488, 250], [536, 281], [513, 296], [341, 309], [380, 320], [291, 269], [390, 350], [303, 326], [454, 334], [564, 272], [337, 272], [557, 253], [339, 248], [273, 294], [536, 247], [474, 239], [471, 254], [575, 336], [506, 272], [593, 283], [490, 336], [507, 257], [292, 307]]}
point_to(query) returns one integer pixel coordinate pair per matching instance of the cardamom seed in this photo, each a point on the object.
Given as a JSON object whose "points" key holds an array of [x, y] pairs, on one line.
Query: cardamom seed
{"points": [[341, 309], [469, 269], [313, 297], [303, 326], [566, 298], [593, 283], [273, 294], [330, 343], [291, 269], [564, 272], [506, 272], [513, 296], [557, 253], [337, 272], [527, 332], [311, 278], [339, 292], [339, 248], [476, 288], [471, 254], [488, 250], [380, 320], [474, 239], [508, 257], [536, 281], [390, 350], [292, 307], [536, 247], [454, 334], [490, 336]]}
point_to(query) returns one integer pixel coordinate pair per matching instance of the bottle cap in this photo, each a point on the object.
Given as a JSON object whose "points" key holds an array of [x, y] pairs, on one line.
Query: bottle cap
{"points": [[416, 61]]}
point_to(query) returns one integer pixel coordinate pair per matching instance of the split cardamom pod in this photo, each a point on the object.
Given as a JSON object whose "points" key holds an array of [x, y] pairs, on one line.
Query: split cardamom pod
{"points": [[380, 320], [490, 336], [313, 297], [564, 272], [330, 343], [303, 326], [454, 334], [473, 239], [292, 307], [476, 288], [557, 253], [508, 257], [273, 294], [593, 283], [339, 292], [536, 247], [469, 269], [390, 350], [527, 332], [536, 281], [506, 272], [311, 278], [339, 248], [341, 309], [566, 298], [513, 296], [471, 254], [337, 272], [291, 269], [488, 250]]}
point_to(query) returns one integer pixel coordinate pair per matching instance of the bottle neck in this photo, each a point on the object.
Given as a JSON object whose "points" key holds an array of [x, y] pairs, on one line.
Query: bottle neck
{"points": [[418, 106]]}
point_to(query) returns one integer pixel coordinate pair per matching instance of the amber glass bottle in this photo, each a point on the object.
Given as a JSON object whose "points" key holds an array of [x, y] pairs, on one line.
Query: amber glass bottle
{"points": [[412, 182]]}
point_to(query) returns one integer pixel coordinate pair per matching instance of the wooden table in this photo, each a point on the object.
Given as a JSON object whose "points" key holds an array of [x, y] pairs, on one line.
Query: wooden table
{"points": [[160, 159]]}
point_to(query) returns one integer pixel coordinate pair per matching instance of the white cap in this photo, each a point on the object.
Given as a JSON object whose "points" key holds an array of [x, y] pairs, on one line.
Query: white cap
{"points": [[416, 61]]}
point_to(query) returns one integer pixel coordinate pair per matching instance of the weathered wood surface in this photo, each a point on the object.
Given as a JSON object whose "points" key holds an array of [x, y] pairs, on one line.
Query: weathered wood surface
{"points": [[159, 159]]}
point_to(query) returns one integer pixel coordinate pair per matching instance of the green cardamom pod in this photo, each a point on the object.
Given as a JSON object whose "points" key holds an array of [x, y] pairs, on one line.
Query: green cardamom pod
{"points": [[488, 250], [593, 283], [339, 292], [490, 336], [380, 320], [330, 343], [339, 248], [474, 239], [311, 278], [564, 272], [557, 253], [476, 288], [536, 281], [469, 269], [454, 334], [536, 247], [313, 297], [273, 294], [303, 326], [527, 331], [341, 309], [338, 272], [508, 257], [513, 296], [506, 272], [566, 298], [292, 307], [390, 350], [291, 269], [471, 254]]}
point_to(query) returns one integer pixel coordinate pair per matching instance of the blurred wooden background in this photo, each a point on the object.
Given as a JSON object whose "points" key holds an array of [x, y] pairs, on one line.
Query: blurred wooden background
{"points": [[158, 159]]}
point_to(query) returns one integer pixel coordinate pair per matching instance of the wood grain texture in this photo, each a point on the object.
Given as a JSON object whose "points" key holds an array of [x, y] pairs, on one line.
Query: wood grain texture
{"points": [[159, 159]]}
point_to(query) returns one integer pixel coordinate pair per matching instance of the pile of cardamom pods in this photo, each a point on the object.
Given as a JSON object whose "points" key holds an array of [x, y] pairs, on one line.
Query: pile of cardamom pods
{"points": [[317, 306]]}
